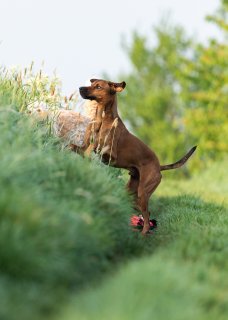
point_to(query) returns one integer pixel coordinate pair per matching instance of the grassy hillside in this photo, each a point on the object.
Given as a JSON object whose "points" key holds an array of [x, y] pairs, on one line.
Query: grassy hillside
{"points": [[186, 276], [64, 227], [63, 219]]}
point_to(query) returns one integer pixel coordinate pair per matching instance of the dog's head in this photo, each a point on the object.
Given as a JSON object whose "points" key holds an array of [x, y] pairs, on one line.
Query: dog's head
{"points": [[101, 90]]}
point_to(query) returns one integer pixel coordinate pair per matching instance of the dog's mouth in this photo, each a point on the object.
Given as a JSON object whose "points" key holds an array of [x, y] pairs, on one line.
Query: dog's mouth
{"points": [[85, 94]]}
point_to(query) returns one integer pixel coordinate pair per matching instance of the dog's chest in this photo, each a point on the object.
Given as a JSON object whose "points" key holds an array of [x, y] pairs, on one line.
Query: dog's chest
{"points": [[108, 136]]}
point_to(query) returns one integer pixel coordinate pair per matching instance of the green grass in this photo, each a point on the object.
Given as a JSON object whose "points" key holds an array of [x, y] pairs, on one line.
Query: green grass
{"points": [[66, 248], [63, 220], [185, 276]]}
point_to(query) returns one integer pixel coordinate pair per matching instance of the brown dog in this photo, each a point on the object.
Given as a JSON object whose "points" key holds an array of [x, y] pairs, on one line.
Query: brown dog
{"points": [[119, 148]]}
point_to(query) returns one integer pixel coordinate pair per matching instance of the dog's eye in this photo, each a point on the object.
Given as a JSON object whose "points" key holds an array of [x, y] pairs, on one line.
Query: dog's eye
{"points": [[98, 87]]}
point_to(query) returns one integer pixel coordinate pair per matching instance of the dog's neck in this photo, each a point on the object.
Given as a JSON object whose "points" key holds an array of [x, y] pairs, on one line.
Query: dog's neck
{"points": [[110, 110]]}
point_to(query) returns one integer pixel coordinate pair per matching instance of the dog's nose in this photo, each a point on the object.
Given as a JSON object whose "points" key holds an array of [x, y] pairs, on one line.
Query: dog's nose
{"points": [[83, 92], [82, 89]]}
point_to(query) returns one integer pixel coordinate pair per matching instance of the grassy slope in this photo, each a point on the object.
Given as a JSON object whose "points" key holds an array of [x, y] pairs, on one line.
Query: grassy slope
{"points": [[64, 222], [63, 219], [186, 276]]}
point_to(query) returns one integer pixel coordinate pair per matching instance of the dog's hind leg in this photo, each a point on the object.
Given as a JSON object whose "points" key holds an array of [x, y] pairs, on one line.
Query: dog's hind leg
{"points": [[147, 185], [132, 187], [133, 184]]}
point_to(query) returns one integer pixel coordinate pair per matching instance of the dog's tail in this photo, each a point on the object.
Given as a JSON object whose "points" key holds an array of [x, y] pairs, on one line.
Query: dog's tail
{"points": [[179, 163]]}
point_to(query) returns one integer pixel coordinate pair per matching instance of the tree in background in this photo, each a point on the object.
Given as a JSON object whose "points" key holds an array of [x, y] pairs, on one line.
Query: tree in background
{"points": [[177, 92], [152, 104], [205, 92]]}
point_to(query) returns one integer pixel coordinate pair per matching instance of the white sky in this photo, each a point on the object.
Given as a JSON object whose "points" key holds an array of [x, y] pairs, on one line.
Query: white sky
{"points": [[82, 38]]}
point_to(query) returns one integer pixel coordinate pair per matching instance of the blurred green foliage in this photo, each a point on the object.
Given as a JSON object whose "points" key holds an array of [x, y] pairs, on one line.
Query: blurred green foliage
{"points": [[177, 92]]}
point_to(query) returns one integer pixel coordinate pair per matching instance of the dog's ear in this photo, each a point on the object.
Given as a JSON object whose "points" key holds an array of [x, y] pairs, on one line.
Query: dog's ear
{"points": [[120, 86], [93, 80], [117, 87]]}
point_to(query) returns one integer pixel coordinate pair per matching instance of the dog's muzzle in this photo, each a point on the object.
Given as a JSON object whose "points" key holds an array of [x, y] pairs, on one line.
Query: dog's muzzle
{"points": [[85, 94]]}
